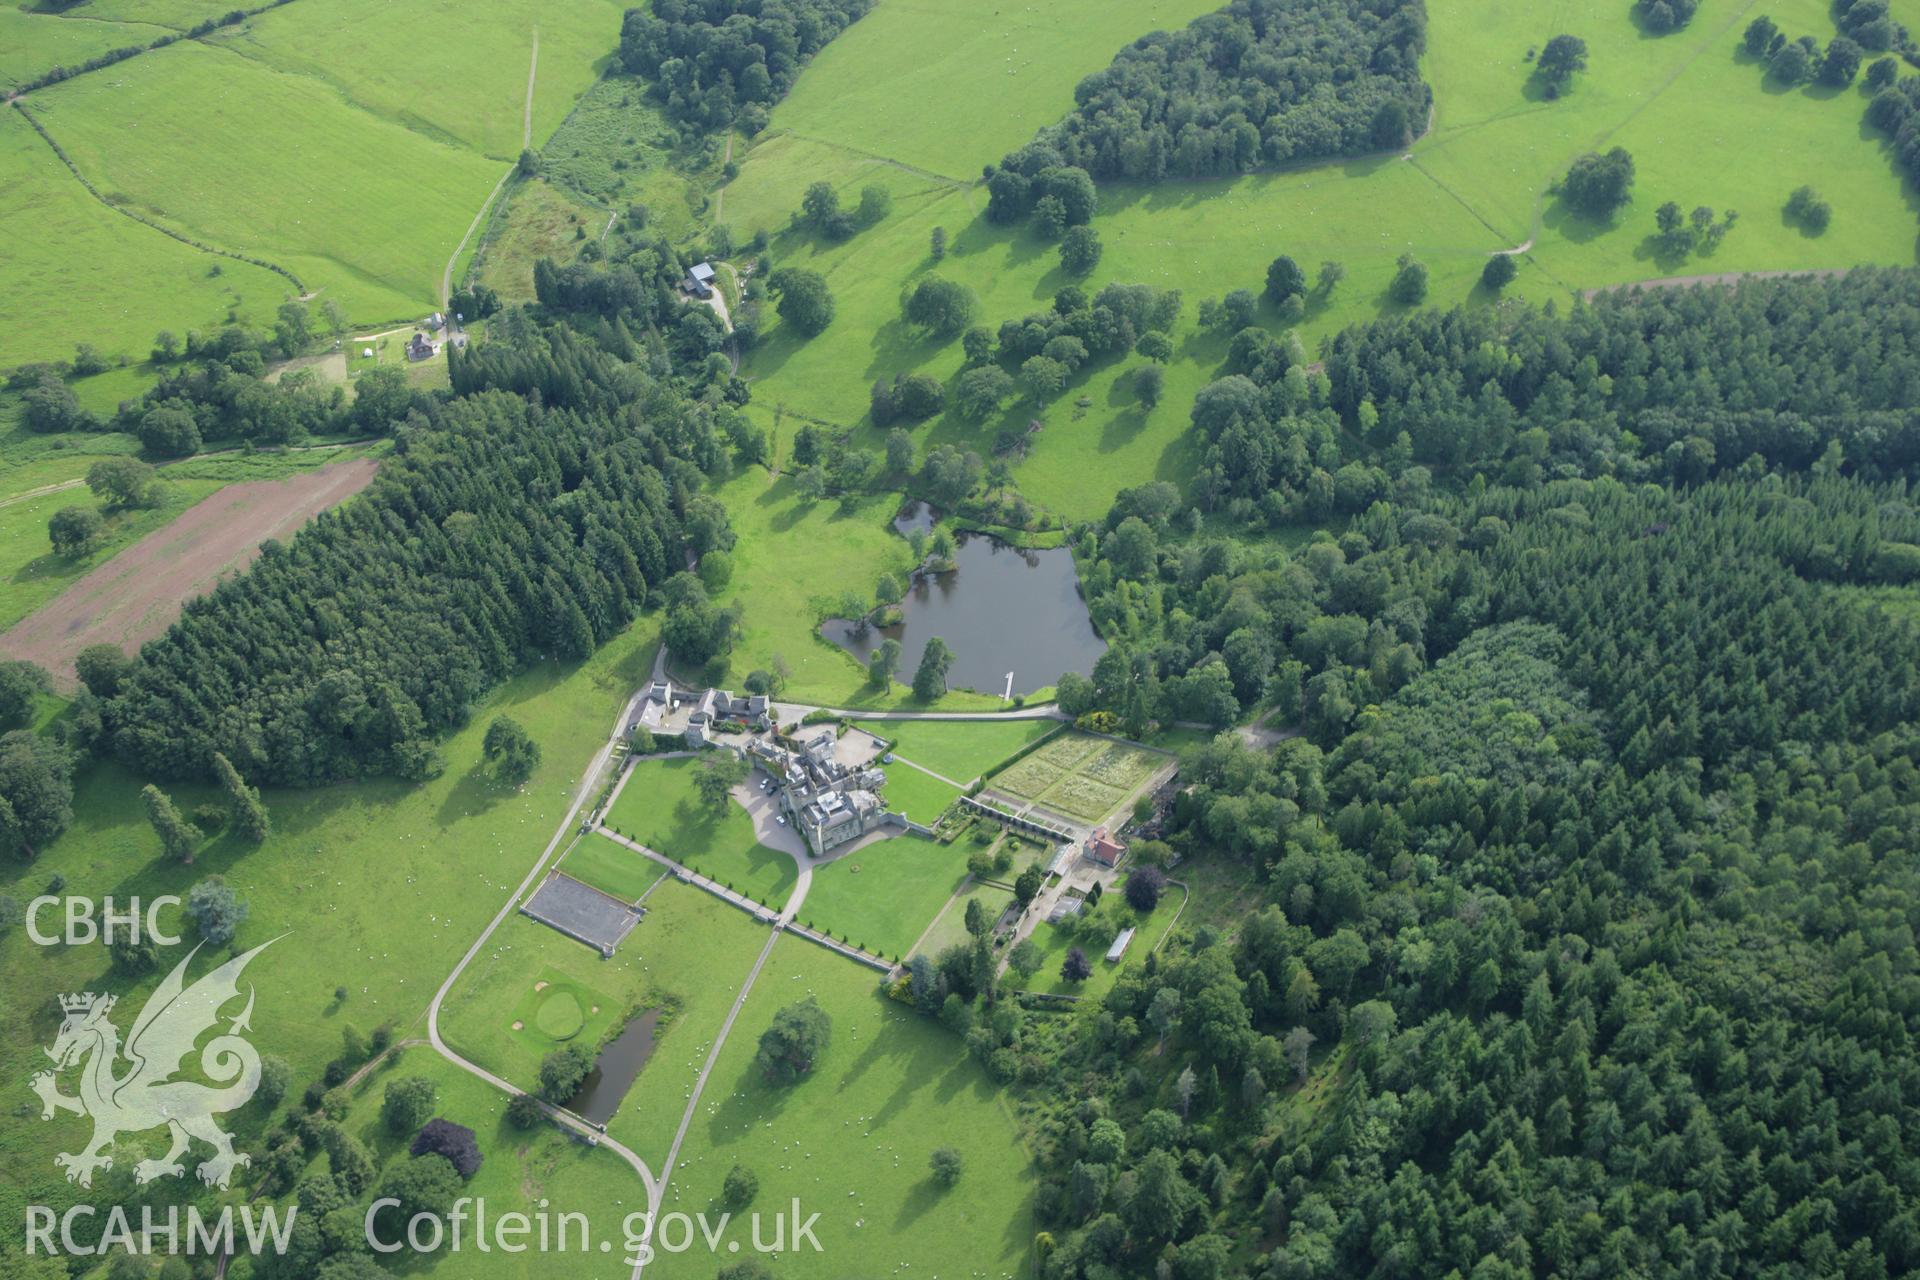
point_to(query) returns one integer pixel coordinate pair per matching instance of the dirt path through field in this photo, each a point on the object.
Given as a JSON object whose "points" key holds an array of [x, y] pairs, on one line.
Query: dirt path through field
{"points": [[526, 143], [138, 593]]}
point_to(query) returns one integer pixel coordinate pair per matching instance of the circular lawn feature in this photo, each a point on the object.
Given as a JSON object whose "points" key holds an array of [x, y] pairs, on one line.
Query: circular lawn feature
{"points": [[559, 1016]]}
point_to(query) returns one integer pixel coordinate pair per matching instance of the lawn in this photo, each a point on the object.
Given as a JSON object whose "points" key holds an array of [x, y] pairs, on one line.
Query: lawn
{"points": [[919, 796], [793, 562], [612, 868], [659, 808], [1687, 106], [1111, 915], [852, 1139], [534, 220], [379, 887], [959, 749], [262, 170], [687, 958], [526, 1170], [883, 897], [951, 927], [88, 274], [1223, 892]]}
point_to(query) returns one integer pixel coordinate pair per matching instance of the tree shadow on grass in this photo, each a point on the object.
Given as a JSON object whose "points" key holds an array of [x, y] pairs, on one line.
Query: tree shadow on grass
{"points": [[899, 348], [925, 1195], [472, 795], [1570, 224], [1666, 258], [1122, 429]]}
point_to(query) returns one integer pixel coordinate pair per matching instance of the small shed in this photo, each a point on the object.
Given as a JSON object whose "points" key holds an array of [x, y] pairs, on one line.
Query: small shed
{"points": [[1119, 947]]}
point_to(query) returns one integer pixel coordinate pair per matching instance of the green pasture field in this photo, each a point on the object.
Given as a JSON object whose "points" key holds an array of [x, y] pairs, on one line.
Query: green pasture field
{"points": [[282, 142], [687, 958], [180, 15], [917, 795], [88, 274], [612, 868], [881, 898], [378, 887], [454, 69], [950, 929], [851, 1140], [839, 549], [959, 749], [34, 43], [1687, 105], [1024, 60], [659, 808], [521, 1168], [1201, 238], [1703, 122], [538, 220], [1055, 940]]}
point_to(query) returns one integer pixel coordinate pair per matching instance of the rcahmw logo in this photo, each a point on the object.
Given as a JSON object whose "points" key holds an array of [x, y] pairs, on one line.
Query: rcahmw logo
{"points": [[145, 1095], [264, 1229]]}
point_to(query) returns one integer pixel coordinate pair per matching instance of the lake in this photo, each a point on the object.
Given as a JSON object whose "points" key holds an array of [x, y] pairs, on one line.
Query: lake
{"points": [[1001, 609], [614, 1070]]}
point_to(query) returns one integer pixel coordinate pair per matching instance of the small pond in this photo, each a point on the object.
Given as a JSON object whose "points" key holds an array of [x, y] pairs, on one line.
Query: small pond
{"points": [[915, 517], [614, 1070], [1002, 609]]}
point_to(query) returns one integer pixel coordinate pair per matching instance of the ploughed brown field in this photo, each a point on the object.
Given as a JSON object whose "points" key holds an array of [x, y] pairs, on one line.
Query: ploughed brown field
{"points": [[136, 595]]}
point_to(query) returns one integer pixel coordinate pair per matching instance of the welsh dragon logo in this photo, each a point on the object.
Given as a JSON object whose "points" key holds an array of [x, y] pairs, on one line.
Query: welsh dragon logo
{"points": [[145, 1096]]}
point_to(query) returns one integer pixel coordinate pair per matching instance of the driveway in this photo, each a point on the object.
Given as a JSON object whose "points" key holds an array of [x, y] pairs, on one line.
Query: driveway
{"points": [[763, 807]]}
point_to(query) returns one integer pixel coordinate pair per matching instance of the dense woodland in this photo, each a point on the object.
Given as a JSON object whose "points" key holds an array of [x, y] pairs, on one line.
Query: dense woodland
{"points": [[1597, 929], [1592, 895], [1260, 83], [505, 529], [715, 63], [1673, 384]]}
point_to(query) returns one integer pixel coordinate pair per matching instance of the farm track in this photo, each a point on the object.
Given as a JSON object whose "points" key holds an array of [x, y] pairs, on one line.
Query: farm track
{"points": [[1718, 277], [654, 1184], [526, 141], [565, 1119], [43, 491], [656, 1192]]}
